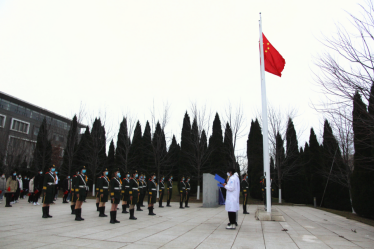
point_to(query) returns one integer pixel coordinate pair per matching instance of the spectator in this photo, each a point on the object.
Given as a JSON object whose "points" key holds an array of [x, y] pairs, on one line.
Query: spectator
{"points": [[31, 191], [11, 187], [38, 186], [2, 187], [232, 197], [66, 186], [25, 185]]}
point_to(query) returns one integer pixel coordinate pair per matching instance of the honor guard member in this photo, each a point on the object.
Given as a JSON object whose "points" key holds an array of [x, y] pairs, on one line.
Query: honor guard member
{"points": [[140, 193], [244, 185], [152, 193], [133, 194], [48, 191], [144, 181], [73, 195], [188, 190], [103, 185], [97, 193], [115, 195], [80, 192], [182, 191], [170, 190], [161, 190], [125, 192]]}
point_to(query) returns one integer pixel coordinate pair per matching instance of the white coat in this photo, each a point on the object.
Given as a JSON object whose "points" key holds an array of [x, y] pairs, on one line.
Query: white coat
{"points": [[31, 186], [232, 194]]}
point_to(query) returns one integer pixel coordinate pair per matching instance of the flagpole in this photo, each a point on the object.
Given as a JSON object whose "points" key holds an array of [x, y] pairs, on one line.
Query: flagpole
{"points": [[265, 125]]}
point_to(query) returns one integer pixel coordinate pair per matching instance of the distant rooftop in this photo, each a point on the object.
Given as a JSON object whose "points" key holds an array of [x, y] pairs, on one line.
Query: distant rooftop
{"points": [[37, 108]]}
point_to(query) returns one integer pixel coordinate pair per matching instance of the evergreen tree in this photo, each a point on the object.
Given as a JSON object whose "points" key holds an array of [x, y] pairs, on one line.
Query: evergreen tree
{"points": [[255, 159], [216, 159], [173, 157], [186, 147], [336, 196], [293, 185], [123, 146], [70, 149], [111, 159], [273, 176], [228, 148], [82, 155], [159, 151], [135, 153], [363, 175], [148, 163], [279, 162], [314, 168], [43, 150]]}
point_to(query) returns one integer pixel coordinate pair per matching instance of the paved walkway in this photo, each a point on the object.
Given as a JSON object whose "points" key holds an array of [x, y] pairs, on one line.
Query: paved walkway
{"points": [[22, 227]]}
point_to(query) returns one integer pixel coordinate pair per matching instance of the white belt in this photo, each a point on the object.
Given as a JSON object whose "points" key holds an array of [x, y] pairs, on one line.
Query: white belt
{"points": [[105, 187], [134, 188], [82, 186], [117, 188], [50, 183], [183, 188], [154, 189], [163, 188], [170, 187], [188, 188], [127, 186]]}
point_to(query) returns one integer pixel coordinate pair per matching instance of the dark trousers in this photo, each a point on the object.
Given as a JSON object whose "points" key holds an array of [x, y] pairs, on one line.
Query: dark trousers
{"points": [[187, 198], [170, 192], [8, 197], [16, 195], [232, 217], [161, 197], [182, 194]]}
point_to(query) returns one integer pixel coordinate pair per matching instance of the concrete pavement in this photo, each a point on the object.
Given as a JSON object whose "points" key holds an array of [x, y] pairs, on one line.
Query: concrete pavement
{"points": [[22, 226]]}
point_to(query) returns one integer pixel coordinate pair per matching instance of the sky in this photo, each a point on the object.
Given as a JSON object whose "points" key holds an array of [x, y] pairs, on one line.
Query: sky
{"points": [[116, 58]]}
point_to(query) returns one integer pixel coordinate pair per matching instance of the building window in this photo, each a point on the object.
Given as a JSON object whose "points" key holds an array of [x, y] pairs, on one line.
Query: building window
{"points": [[2, 120], [20, 126], [36, 131]]}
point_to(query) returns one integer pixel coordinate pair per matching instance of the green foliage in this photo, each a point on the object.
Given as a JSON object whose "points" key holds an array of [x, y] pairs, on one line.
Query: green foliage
{"points": [[228, 149], [186, 147], [123, 146], [255, 159], [42, 159], [363, 174], [216, 160], [136, 150], [111, 159], [70, 149], [148, 162]]}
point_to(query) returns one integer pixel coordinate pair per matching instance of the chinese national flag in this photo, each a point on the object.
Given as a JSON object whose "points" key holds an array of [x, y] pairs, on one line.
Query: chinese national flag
{"points": [[274, 62]]}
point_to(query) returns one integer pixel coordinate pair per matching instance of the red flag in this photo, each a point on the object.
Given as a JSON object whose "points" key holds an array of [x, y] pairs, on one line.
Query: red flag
{"points": [[274, 62], [8, 189]]}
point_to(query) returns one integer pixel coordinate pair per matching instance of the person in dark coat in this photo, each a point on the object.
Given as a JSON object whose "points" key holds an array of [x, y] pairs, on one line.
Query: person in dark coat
{"points": [[115, 195], [49, 184], [66, 189], [103, 192], [80, 190], [170, 190], [182, 192], [133, 193], [152, 193], [188, 191], [38, 186]]}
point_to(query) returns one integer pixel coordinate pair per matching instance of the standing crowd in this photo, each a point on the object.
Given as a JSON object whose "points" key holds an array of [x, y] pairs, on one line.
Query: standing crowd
{"points": [[130, 190]]}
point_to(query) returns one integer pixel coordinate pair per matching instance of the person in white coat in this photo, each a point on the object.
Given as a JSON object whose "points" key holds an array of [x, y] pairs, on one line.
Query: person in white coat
{"points": [[232, 197]]}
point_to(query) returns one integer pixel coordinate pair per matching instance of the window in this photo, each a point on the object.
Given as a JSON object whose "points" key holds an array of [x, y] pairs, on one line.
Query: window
{"points": [[36, 131], [20, 126], [2, 120]]}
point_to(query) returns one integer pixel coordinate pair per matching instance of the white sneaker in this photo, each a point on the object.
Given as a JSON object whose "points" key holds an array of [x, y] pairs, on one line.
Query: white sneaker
{"points": [[34, 204], [231, 226], [37, 203]]}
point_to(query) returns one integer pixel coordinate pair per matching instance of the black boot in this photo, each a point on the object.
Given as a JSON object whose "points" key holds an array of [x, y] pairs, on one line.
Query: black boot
{"points": [[132, 217], [97, 207], [186, 204], [72, 209], [152, 213], [44, 212], [80, 214], [49, 216], [138, 207], [168, 203], [115, 217], [77, 216], [160, 204], [124, 209], [245, 210], [112, 217], [181, 205], [102, 210]]}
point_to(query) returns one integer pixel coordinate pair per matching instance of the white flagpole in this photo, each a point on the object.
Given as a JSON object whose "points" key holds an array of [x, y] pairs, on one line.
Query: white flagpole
{"points": [[265, 125]]}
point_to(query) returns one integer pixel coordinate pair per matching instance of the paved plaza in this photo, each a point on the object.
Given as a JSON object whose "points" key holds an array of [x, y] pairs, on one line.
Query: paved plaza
{"points": [[22, 226]]}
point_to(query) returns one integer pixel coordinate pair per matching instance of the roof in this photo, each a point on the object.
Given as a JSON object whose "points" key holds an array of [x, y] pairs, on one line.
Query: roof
{"points": [[36, 108]]}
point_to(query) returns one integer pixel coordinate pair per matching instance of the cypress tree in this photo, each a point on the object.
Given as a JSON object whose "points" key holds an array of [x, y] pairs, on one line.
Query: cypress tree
{"points": [[82, 155], [136, 150], [314, 168], [186, 147], [228, 148], [216, 159], [159, 149], [43, 150], [173, 157], [336, 196], [70, 149], [279, 162], [362, 176], [111, 159], [148, 163], [123, 146], [255, 159]]}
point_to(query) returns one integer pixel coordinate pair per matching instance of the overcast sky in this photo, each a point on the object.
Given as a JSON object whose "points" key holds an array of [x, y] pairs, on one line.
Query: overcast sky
{"points": [[116, 57]]}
